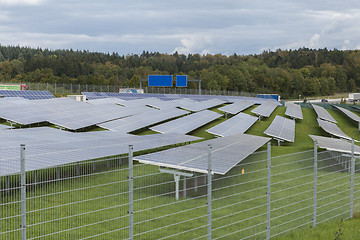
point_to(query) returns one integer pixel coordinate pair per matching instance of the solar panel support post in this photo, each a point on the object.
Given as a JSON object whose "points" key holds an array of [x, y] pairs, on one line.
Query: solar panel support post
{"points": [[268, 192], [23, 191], [352, 173], [177, 179], [131, 194], [184, 187], [196, 183], [209, 190], [315, 183]]}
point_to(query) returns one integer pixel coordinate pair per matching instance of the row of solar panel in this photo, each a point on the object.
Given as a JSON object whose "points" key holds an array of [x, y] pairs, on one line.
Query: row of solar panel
{"points": [[31, 95], [167, 97]]}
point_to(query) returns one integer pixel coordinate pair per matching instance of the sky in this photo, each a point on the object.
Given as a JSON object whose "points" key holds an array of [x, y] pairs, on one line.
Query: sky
{"points": [[186, 26]]}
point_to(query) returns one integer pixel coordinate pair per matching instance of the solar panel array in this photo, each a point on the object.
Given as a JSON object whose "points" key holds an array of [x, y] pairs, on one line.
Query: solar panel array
{"points": [[48, 147], [237, 107], [167, 97], [293, 110], [332, 128], [239, 123], [132, 123], [227, 152], [282, 128], [265, 109], [348, 113], [188, 123], [323, 114], [63, 112], [31, 95], [335, 144]]}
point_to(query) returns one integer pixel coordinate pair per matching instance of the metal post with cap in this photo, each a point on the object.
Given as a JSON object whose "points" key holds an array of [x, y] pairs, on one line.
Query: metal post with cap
{"points": [[209, 190], [131, 194], [23, 191]]}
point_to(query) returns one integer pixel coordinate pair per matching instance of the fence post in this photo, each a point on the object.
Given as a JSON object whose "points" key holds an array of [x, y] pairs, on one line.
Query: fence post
{"points": [[352, 173], [131, 194], [315, 183], [209, 178], [23, 191], [268, 193]]}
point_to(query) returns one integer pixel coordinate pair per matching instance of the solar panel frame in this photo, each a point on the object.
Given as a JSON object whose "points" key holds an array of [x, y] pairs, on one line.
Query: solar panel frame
{"points": [[237, 107], [188, 123], [46, 147], [293, 110], [265, 109], [349, 113], [282, 128], [335, 144], [239, 123], [323, 114], [142, 120], [227, 152], [332, 129]]}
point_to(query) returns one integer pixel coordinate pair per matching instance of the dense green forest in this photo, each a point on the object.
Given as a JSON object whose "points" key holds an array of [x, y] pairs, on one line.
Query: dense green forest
{"points": [[308, 72]]}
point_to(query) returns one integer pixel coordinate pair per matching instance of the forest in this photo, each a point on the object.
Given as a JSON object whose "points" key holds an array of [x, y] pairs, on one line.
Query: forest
{"points": [[306, 72]]}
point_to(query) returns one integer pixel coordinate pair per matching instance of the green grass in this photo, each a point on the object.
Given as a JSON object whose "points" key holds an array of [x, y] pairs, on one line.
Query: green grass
{"points": [[347, 230], [239, 197]]}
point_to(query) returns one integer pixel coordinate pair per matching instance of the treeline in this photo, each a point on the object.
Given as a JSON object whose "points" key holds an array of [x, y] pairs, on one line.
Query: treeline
{"points": [[308, 72]]}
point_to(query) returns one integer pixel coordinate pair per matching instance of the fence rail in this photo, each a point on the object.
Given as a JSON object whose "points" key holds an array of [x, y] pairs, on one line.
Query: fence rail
{"points": [[115, 198]]}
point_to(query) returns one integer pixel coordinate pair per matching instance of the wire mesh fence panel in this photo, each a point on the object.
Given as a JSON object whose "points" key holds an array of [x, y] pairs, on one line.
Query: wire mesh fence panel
{"points": [[292, 178], [10, 203], [157, 213], [334, 186], [357, 187], [240, 200], [81, 200], [90, 199]]}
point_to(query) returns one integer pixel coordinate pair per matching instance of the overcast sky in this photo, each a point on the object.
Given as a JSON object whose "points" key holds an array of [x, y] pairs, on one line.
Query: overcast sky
{"points": [[186, 26]]}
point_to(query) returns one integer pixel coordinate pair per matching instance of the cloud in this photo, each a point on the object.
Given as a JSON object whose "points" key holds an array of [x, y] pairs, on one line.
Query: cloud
{"points": [[346, 45], [201, 26], [193, 44], [314, 41], [20, 2]]}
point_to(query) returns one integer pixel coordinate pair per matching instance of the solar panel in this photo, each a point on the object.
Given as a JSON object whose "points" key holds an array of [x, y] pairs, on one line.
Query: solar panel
{"points": [[282, 128], [188, 123], [142, 120], [227, 152], [196, 106], [65, 112], [31, 95], [332, 128], [237, 107], [167, 97], [239, 123], [265, 109], [46, 147], [335, 144], [323, 114], [348, 113], [293, 110]]}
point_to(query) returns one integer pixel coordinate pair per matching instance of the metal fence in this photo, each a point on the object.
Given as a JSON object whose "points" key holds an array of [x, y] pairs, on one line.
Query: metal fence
{"points": [[70, 88], [115, 198]]}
